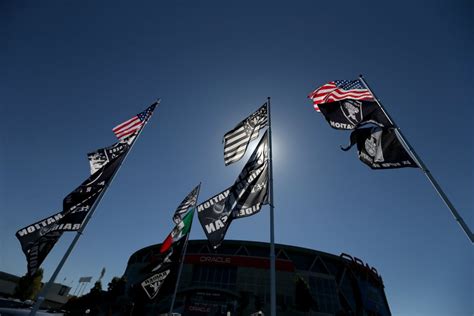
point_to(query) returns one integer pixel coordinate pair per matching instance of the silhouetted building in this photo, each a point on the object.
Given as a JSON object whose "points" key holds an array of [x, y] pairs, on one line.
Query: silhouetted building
{"points": [[235, 279]]}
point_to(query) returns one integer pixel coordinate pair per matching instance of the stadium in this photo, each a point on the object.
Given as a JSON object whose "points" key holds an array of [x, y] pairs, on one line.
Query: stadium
{"points": [[234, 280]]}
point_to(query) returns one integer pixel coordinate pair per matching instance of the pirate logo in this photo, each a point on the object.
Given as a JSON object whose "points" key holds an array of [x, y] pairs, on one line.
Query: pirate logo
{"points": [[218, 208], [352, 110], [44, 230], [153, 284], [253, 122], [373, 145]]}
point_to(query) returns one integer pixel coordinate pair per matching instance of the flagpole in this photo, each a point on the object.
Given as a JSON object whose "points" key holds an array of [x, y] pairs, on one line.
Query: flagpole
{"points": [[42, 295], [423, 167], [183, 254], [272, 230]]}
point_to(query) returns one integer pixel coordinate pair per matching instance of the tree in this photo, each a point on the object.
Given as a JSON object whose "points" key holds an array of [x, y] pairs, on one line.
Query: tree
{"points": [[29, 286], [97, 288], [116, 286]]}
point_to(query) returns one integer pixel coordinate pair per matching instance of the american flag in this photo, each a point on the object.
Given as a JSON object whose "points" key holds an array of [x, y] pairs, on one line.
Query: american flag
{"points": [[133, 125], [237, 140], [188, 202], [340, 90]]}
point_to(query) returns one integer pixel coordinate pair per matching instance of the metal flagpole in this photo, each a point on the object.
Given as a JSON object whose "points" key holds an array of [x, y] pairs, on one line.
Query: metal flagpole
{"points": [[272, 230], [47, 286], [183, 254], [423, 167]]}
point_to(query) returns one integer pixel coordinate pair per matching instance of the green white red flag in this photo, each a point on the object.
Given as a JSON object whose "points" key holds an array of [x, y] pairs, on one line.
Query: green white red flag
{"points": [[179, 231]]}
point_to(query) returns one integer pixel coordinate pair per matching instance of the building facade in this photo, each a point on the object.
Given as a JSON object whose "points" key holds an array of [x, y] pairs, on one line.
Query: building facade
{"points": [[56, 297], [235, 279]]}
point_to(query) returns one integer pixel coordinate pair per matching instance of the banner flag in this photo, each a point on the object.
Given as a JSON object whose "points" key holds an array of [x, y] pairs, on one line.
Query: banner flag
{"points": [[380, 148], [38, 239], [164, 268], [103, 156], [162, 273], [78, 203], [36, 254], [30, 234], [340, 90], [236, 141], [244, 198], [132, 126], [189, 201], [348, 114]]}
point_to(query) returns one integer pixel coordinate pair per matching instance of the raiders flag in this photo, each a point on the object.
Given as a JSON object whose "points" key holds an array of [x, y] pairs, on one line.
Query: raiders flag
{"points": [[236, 141], [188, 202], [348, 114], [78, 203], [162, 272], [243, 199], [36, 254], [103, 156], [380, 148], [38, 239]]}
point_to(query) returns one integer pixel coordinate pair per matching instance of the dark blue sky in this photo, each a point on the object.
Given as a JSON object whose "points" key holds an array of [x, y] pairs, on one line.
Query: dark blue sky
{"points": [[70, 71]]}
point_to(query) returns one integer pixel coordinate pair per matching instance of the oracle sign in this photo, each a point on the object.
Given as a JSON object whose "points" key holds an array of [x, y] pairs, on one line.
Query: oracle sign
{"points": [[225, 260], [239, 261]]}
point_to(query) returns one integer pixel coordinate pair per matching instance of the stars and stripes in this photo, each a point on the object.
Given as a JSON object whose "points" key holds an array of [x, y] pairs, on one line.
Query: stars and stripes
{"points": [[340, 90], [236, 141], [188, 202], [133, 125]]}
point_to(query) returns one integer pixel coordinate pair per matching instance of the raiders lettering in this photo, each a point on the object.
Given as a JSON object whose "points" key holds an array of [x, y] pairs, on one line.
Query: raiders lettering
{"points": [[33, 257], [156, 278], [216, 199], [216, 225], [240, 186], [248, 211], [341, 125], [37, 226]]}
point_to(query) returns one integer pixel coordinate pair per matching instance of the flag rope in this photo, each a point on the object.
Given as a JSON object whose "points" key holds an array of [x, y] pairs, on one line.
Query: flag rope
{"points": [[423, 167], [42, 295]]}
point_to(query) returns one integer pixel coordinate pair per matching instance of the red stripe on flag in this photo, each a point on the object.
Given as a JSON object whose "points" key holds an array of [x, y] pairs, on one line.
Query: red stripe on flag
{"points": [[166, 244]]}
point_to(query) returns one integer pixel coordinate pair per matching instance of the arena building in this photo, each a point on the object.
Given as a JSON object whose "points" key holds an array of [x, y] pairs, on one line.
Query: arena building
{"points": [[234, 280]]}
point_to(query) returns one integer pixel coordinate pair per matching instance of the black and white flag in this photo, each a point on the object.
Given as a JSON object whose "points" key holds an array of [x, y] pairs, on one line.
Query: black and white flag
{"points": [[188, 202], [78, 203], [236, 141], [244, 198], [380, 148], [103, 156], [38, 239], [36, 254], [348, 114]]}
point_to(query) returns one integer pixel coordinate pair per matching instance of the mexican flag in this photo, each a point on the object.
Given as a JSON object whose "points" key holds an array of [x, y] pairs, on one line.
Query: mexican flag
{"points": [[180, 230]]}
